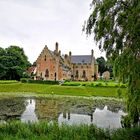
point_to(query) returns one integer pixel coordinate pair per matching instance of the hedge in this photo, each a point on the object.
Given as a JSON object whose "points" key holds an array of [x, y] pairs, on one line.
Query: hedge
{"points": [[25, 80]]}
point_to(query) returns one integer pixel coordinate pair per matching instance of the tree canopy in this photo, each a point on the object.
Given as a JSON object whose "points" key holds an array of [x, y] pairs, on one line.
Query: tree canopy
{"points": [[13, 63], [102, 64], [116, 25]]}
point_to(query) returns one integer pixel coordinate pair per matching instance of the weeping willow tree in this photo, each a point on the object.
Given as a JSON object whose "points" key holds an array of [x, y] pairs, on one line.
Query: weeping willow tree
{"points": [[116, 25]]}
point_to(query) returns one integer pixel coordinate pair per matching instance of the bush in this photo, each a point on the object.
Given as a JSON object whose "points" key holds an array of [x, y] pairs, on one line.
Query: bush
{"points": [[43, 82], [84, 84], [123, 86], [99, 85], [90, 85], [24, 80], [117, 85], [68, 80], [71, 84]]}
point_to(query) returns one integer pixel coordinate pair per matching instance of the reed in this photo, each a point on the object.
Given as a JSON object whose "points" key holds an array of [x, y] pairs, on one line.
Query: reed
{"points": [[53, 131]]}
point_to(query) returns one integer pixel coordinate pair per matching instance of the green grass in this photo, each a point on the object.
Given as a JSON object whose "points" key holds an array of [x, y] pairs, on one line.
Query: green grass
{"points": [[26, 88], [95, 84], [8, 81], [46, 131]]}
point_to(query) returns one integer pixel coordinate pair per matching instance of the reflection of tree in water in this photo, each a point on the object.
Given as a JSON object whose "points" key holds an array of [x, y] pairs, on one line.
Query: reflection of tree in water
{"points": [[47, 109], [11, 108], [113, 105]]}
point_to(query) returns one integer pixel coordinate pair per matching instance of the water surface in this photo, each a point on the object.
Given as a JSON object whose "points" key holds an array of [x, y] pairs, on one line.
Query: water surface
{"points": [[104, 114]]}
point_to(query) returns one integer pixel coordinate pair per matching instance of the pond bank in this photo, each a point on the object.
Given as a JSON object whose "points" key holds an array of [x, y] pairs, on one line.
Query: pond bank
{"points": [[44, 130]]}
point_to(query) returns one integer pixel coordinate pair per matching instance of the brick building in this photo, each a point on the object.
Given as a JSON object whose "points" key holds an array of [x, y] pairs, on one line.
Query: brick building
{"points": [[51, 65]]}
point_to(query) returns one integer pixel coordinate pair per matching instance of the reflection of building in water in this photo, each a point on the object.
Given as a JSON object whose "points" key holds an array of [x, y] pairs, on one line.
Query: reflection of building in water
{"points": [[47, 109], [101, 117], [68, 115], [91, 117], [64, 114], [29, 113]]}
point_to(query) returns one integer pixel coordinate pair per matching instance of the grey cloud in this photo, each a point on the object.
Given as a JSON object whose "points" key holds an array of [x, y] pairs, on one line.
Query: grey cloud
{"points": [[35, 22]]}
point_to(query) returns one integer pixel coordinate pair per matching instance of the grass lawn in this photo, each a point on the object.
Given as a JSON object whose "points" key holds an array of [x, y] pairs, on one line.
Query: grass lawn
{"points": [[8, 81], [59, 90], [95, 84]]}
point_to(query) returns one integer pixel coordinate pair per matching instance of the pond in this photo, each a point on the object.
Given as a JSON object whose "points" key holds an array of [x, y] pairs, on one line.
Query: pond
{"points": [[73, 111]]}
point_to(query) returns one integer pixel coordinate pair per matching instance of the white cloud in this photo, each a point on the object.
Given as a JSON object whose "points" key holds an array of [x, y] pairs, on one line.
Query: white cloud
{"points": [[33, 23]]}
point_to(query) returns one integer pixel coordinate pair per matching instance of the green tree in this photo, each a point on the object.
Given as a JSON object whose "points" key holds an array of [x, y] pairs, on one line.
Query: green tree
{"points": [[116, 24], [102, 64], [2, 67], [13, 63]]}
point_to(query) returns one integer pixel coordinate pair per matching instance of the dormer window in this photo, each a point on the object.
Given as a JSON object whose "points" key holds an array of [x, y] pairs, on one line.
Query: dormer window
{"points": [[83, 61]]}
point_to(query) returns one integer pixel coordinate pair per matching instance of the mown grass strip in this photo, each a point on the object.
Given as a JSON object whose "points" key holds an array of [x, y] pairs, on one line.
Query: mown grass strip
{"points": [[26, 88], [8, 81]]}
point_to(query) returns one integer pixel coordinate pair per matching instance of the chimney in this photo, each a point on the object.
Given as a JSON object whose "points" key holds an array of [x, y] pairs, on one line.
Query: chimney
{"points": [[92, 53], [66, 56], [59, 53], [56, 47], [70, 55]]}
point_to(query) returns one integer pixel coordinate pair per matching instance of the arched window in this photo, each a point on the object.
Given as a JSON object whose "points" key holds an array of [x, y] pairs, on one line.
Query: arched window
{"points": [[45, 58], [47, 73], [84, 74], [55, 76], [77, 74]]}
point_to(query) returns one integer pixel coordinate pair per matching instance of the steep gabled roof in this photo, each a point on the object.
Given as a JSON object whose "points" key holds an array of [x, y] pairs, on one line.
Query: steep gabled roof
{"points": [[81, 59]]}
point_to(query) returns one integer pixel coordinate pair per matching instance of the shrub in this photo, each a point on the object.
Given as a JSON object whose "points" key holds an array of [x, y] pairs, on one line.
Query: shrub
{"points": [[71, 84], [68, 80], [99, 85], [84, 84], [90, 85], [123, 86], [117, 85], [24, 80], [43, 82]]}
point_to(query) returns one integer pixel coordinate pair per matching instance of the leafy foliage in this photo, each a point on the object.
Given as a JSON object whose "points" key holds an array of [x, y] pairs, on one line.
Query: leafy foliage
{"points": [[102, 64], [52, 131], [116, 24], [13, 63], [49, 82]]}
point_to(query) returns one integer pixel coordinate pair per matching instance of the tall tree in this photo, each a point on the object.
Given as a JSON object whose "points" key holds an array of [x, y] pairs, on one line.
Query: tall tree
{"points": [[116, 24], [102, 64], [13, 63]]}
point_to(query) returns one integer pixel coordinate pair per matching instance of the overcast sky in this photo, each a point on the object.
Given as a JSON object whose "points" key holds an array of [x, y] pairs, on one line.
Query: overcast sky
{"points": [[32, 24]]}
